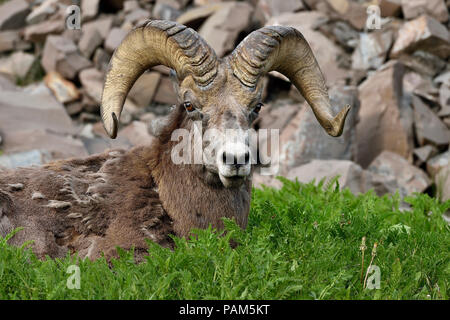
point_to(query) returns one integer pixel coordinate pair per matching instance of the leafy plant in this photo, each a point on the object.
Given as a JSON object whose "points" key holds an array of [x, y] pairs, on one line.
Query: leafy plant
{"points": [[302, 242]]}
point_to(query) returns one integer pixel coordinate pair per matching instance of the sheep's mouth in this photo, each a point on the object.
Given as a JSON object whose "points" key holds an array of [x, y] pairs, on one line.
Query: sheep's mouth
{"points": [[228, 181], [232, 181]]}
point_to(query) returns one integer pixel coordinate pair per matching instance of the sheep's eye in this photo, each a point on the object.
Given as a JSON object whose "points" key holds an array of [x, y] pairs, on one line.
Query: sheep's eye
{"points": [[188, 106], [257, 108]]}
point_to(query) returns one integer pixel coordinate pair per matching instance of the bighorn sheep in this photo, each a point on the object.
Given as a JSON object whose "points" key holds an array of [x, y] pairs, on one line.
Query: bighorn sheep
{"points": [[120, 198]]}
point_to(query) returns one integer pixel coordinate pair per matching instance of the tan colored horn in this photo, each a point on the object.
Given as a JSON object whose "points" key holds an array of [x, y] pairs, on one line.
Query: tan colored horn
{"points": [[285, 50], [157, 42]]}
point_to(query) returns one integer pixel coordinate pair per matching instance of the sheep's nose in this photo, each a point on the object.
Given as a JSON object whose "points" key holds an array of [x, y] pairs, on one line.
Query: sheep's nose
{"points": [[236, 159]]}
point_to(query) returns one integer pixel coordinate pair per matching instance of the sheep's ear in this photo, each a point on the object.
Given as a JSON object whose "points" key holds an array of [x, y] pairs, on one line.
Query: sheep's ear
{"points": [[175, 83]]}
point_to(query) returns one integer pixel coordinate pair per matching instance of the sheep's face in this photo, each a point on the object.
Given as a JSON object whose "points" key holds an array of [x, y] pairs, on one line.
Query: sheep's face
{"points": [[217, 95], [223, 113]]}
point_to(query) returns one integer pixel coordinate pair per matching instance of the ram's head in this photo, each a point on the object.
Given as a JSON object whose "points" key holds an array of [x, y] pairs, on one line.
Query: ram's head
{"points": [[220, 93]]}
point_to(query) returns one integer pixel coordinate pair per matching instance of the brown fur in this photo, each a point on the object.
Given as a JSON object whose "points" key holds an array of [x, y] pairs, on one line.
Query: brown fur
{"points": [[117, 198], [122, 198], [184, 188]]}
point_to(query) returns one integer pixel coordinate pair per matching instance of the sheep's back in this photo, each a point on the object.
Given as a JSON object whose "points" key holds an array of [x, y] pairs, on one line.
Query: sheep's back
{"points": [[88, 205]]}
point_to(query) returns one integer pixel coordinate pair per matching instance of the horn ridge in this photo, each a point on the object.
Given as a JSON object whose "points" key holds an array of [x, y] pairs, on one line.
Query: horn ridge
{"points": [[284, 49], [152, 43]]}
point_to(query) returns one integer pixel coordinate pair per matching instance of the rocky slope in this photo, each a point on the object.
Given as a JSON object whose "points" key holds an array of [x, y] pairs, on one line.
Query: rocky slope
{"points": [[397, 79]]}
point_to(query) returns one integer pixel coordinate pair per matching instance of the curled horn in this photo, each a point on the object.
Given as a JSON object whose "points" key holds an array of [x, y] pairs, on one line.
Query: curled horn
{"points": [[285, 50], [154, 43]]}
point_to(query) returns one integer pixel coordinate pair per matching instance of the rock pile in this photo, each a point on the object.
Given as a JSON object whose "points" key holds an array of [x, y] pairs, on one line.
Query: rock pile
{"points": [[396, 78]]}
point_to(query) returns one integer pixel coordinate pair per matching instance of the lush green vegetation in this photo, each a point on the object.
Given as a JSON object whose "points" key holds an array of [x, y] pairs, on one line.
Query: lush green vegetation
{"points": [[302, 242]]}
